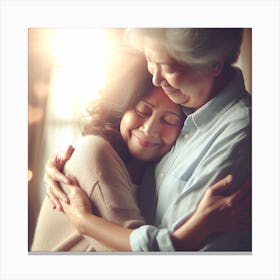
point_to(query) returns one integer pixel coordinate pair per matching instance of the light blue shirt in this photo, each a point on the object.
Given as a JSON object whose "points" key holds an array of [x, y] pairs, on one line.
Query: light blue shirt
{"points": [[215, 141]]}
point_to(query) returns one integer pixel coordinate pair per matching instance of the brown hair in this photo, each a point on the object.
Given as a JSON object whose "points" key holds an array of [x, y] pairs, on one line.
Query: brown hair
{"points": [[103, 115]]}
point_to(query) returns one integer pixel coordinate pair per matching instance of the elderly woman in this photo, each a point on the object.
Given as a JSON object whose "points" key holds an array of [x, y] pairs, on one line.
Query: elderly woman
{"points": [[194, 68]]}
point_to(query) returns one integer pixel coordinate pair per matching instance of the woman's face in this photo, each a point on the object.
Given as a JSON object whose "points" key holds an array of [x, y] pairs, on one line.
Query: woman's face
{"points": [[183, 84], [151, 128]]}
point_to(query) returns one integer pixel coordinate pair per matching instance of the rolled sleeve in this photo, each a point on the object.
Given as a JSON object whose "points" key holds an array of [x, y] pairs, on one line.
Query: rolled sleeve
{"points": [[150, 238]]}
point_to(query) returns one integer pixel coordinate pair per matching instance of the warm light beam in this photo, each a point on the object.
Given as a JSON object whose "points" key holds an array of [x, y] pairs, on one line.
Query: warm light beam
{"points": [[80, 56]]}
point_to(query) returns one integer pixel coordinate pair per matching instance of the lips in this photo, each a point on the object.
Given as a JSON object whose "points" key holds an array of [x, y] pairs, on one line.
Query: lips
{"points": [[145, 143], [168, 89]]}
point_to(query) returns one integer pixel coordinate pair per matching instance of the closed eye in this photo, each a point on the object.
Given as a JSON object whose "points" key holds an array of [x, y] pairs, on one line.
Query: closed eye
{"points": [[143, 110], [142, 113], [172, 120]]}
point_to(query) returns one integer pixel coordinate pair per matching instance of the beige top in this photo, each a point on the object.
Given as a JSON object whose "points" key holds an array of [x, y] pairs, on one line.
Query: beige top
{"points": [[103, 176]]}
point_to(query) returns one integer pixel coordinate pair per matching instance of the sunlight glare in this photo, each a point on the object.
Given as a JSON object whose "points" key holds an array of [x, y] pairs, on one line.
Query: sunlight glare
{"points": [[80, 56]]}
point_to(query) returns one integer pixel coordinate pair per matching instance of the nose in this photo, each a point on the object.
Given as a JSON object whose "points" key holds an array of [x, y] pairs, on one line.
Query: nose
{"points": [[157, 77], [151, 126]]}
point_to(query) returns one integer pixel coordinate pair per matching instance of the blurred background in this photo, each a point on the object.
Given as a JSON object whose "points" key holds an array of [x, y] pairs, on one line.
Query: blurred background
{"points": [[66, 69]]}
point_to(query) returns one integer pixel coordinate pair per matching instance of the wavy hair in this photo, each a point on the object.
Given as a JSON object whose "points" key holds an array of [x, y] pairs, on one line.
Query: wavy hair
{"points": [[103, 115]]}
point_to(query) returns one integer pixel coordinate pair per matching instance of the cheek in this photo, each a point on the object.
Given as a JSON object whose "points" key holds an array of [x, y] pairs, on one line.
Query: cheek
{"points": [[129, 122], [169, 136], [175, 80]]}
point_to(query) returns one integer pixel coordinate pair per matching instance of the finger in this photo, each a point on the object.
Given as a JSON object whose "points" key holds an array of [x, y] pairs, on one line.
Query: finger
{"points": [[59, 206], [53, 205], [54, 201], [50, 183], [69, 151], [66, 155], [73, 181], [52, 170], [53, 188], [221, 185], [52, 158], [64, 207]]}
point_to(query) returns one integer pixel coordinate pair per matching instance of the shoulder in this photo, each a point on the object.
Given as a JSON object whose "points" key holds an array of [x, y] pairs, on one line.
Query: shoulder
{"points": [[95, 157], [240, 113], [242, 100], [91, 150], [93, 144], [92, 155]]}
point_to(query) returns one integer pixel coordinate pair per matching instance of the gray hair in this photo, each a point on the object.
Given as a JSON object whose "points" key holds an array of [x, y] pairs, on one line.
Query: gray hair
{"points": [[199, 47]]}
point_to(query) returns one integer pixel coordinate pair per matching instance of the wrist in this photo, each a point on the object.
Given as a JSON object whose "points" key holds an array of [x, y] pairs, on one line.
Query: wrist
{"points": [[202, 224], [191, 235], [81, 225]]}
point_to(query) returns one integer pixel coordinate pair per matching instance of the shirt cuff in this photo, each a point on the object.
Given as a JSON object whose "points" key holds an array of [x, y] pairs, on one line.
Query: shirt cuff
{"points": [[149, 238]]}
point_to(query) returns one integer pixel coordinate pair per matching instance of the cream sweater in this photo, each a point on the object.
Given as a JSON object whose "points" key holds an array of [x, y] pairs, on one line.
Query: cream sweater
{"points": [[103, 176]]}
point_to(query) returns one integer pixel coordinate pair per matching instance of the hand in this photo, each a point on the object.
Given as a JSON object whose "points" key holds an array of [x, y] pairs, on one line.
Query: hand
{"points": [[226, 212], [79, 204], [54, 176]]}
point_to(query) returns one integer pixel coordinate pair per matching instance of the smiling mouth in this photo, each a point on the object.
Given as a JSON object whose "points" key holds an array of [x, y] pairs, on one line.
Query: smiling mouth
{"points": [[144, 143], [169, 90]]}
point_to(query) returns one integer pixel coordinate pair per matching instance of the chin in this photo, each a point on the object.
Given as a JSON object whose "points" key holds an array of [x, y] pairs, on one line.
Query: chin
{"points": [[147, 158], [138, 155]]}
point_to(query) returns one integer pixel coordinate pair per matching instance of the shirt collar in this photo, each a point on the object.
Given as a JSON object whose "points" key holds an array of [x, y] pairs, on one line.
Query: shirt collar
{"points": [[205, 116]]}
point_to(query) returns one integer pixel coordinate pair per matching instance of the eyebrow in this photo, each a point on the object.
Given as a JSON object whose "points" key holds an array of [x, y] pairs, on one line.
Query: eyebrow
{"points": [[152, 105], [168, 112]]}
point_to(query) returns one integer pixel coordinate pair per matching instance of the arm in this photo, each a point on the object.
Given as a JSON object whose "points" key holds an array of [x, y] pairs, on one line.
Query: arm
{"points": [[79, 213], [211, 215], [101, 173], [103, 176]]}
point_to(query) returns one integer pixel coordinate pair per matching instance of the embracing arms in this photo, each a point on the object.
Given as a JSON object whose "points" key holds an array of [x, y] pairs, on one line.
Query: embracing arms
{"points": [[211, 215]]}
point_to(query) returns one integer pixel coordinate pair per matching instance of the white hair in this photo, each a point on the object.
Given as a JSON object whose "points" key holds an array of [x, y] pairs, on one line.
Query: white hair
{"points": [[199, 47]]}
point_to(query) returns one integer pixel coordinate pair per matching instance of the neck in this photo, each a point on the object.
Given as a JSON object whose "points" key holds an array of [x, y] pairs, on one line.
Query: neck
{"points": [[136, 170], [222, 80]]}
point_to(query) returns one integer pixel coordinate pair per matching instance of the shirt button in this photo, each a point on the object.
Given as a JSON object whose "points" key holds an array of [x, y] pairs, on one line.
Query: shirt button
{"points": [[161, 174], [186, 136]]}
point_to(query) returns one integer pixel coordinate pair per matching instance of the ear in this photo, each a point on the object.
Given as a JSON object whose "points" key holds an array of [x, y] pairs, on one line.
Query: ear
{"points": [[217, 68]]}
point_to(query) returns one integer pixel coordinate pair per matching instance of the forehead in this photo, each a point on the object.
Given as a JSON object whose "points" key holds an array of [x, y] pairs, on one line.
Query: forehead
{"points": [[156, 51]]}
